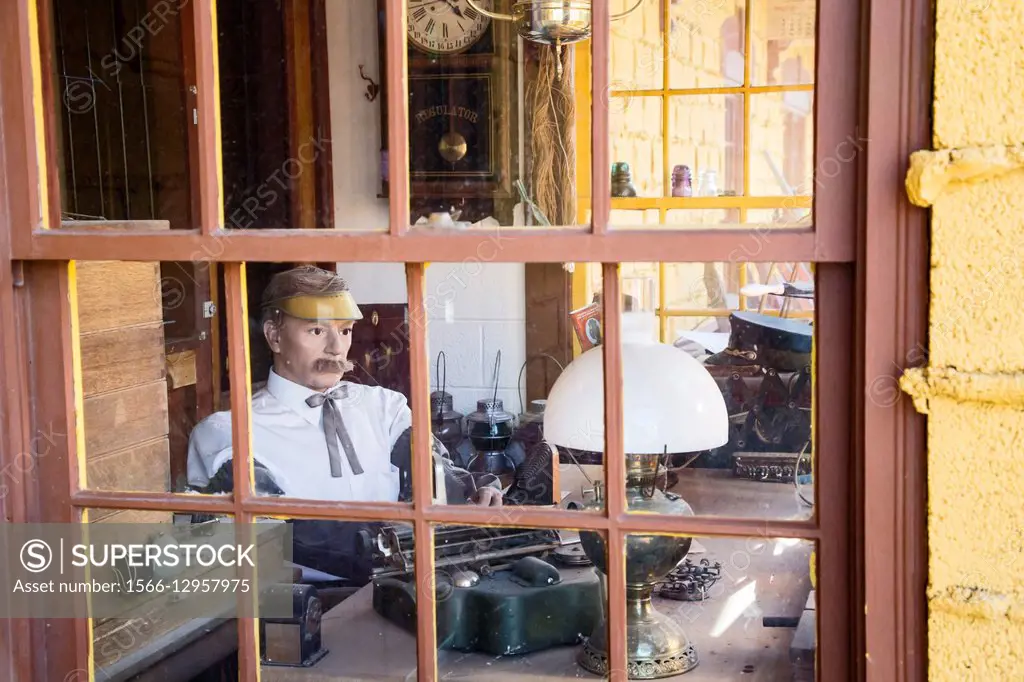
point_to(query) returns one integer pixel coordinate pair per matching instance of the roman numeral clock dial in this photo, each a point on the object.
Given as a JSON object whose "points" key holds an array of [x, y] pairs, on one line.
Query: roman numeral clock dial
{"points": [[445, 26]]}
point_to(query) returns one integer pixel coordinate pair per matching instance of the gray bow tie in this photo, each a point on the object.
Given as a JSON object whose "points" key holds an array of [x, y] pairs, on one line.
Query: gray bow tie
{"points": [[334, 430]]}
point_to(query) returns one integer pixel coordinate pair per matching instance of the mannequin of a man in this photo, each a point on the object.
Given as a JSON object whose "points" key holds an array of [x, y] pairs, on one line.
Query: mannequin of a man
{"points": [[314, 435]]}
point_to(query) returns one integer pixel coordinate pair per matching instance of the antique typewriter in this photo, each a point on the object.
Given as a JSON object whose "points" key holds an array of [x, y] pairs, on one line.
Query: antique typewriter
{"points": [[499, 591]]}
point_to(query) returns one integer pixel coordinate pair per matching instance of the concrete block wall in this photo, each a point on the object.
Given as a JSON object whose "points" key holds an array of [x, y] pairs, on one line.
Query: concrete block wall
{"points": [[474, 310], [971, 387]]}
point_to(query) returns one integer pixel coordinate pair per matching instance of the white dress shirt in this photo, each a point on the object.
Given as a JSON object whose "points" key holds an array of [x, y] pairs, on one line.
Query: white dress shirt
{"points": [[288, 440]]}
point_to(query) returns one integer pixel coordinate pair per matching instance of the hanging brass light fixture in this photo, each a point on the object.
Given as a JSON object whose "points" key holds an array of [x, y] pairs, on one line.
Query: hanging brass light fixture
{"points": [[552, 22]]}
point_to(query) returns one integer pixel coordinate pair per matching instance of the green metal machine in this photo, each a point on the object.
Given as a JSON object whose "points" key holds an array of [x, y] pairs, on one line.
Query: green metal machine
{"points": [[497, 591]]}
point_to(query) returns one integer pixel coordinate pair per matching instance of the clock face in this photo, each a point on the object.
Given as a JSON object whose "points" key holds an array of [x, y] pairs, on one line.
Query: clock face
{"points": [[446, 26]]}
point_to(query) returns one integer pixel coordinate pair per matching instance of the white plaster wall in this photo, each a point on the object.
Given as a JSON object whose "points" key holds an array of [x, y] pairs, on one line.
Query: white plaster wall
{"points": [[382, 283], [355, 121], [473, 310]]}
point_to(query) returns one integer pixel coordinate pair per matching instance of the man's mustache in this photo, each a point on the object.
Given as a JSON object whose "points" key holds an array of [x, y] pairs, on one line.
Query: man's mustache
{"points": [[330, 365]]}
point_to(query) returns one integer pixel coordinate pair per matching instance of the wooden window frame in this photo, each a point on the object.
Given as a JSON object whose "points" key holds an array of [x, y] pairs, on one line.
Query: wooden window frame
{"points": [[868, 242]]}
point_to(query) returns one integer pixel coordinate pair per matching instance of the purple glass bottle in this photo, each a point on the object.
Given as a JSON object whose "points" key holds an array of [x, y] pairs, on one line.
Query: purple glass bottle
{"points": [[682, 183]]}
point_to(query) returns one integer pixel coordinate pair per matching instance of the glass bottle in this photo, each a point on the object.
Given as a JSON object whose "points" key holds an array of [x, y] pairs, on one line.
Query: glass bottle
{"points": [[709, 183], [682, 182], [622, 180]]}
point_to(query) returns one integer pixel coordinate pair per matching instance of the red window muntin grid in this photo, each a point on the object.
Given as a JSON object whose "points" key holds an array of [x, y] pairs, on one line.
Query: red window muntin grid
{"points": [[830, 244]]}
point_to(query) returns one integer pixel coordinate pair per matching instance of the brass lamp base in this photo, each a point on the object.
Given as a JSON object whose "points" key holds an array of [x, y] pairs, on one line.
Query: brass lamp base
{"points": [[656, 645]]}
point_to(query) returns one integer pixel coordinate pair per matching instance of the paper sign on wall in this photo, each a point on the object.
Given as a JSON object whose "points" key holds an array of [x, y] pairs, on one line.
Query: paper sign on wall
{"points": [[791, 19]]}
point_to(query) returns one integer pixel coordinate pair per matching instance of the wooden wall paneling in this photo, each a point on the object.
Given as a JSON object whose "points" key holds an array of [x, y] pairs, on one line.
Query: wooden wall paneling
{"points": [[115, 295], [380, 348], [301, 125], [118, 420], [322, 115], [548, 329], [119, 358], [131, 468], [125, 398]]}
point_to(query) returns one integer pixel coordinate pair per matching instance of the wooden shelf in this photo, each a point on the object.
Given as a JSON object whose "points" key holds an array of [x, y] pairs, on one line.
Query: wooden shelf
{"points": [[643, 203]]}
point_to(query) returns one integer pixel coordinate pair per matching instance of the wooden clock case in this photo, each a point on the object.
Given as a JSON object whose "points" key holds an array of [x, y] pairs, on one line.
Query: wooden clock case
{"points": [[473, 94]]}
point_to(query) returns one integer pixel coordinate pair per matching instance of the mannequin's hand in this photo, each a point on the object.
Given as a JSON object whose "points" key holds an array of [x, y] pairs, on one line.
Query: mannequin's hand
{"points": [[487, 497]]}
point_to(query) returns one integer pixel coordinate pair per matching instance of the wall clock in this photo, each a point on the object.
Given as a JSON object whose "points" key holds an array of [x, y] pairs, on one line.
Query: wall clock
{"points": [[462, 110], [445, 27]]}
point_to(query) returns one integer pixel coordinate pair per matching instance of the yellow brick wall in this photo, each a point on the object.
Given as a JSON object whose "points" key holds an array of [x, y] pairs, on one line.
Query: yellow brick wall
{"points": [[975, 435], [697, 123]]}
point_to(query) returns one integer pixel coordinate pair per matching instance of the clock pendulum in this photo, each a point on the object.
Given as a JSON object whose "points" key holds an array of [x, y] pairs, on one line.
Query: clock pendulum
{"points": [[452, 146]]}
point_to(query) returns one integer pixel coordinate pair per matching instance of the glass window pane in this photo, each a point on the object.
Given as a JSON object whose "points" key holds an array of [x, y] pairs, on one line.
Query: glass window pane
{"points": [[637, 46], [499, 338], [169, 611], [636, 140], [638, 219], [783, 41], [706, 41], [123, 111], [717, 386], [329, 358], [725, 608], [152, 628], [301, 138], [527, 614], [702, 218], [355, 613], [707, 138], [151, 369], [494, 122], [782, 144]]}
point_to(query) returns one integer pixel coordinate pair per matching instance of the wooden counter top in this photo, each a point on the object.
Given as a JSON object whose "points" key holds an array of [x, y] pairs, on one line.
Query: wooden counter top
{"points": [[759, 578]]}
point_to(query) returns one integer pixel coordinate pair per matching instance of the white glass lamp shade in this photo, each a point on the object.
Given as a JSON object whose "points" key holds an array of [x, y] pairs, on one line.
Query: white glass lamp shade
{"points": [[669, 401]]}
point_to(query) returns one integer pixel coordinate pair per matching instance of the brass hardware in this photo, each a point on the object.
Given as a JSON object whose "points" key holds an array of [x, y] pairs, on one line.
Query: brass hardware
{"points": [[551, 22], [373, 89], [452, 147], [657, 646], [374, 318]]}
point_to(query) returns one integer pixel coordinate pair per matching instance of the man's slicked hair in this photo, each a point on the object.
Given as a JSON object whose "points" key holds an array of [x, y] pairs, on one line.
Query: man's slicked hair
{"points": [[305, 280]]}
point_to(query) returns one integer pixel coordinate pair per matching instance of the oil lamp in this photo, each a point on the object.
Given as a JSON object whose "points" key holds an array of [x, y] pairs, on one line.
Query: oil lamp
{"points": [[671, 404], [551, 22], [445, 422], [490, 431]]}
